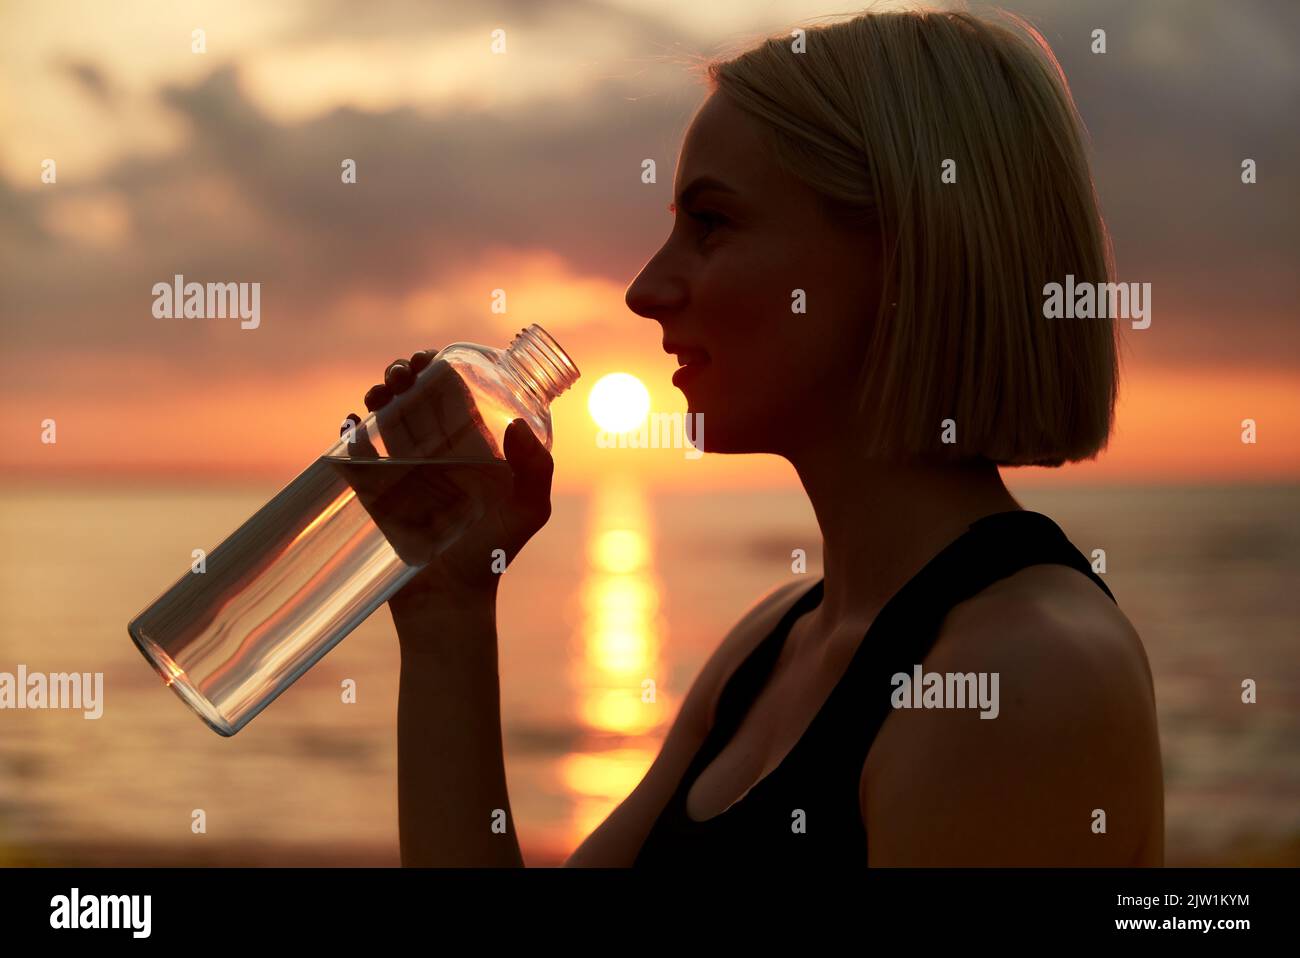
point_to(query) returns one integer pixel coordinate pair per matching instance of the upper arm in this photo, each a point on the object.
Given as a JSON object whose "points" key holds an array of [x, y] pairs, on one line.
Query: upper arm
{"points": [[618, 839], [1073, 750]]}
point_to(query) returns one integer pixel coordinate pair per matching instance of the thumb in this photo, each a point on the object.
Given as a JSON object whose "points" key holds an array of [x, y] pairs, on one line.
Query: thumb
{"points": [[533, 469]]}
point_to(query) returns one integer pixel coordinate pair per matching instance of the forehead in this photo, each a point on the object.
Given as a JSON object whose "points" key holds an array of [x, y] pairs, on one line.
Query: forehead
{"points": [[723, 142]]}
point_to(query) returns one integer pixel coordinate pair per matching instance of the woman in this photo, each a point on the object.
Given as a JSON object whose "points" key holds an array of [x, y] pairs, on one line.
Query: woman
{"points": [[854, 279]]}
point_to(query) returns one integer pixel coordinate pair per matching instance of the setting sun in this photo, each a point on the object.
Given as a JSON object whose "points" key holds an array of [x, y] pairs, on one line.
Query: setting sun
{"points": [[618, 402]]}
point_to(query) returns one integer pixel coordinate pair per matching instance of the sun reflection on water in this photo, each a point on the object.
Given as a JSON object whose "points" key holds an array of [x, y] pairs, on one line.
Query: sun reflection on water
{"points": [[619, 665]]}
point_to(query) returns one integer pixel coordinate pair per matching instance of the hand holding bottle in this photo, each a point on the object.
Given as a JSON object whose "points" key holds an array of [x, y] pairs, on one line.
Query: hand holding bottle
{"points": [[408, 505]]}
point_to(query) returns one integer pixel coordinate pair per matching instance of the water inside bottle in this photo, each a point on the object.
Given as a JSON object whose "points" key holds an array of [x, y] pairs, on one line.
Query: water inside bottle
{"points": [[352, 529]]}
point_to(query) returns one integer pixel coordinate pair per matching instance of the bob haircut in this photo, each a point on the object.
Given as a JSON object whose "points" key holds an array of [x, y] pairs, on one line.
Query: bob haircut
{"points": [[867, 115]]}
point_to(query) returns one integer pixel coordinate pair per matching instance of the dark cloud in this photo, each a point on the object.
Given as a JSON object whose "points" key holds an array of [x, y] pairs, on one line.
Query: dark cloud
{"points": [[247, 198], [90, 79], [432, 194], [1184, 93]]}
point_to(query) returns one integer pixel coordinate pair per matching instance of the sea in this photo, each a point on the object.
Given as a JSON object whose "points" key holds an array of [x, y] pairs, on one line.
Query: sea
{"points": [[604, 619]]}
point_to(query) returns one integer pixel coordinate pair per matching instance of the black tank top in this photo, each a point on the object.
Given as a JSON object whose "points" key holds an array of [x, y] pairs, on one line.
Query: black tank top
{"points": [[822, 773]]}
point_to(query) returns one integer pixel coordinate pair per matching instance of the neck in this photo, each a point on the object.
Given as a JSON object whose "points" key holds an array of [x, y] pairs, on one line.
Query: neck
{"points": [[881, 522]]}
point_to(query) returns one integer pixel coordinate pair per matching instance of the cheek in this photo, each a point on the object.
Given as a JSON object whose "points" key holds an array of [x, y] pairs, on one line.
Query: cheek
{"points": [[745, 306], [768, 356]]}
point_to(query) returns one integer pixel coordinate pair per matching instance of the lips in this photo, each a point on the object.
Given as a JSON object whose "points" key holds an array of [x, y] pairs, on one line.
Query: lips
{"points": [[687, 355], [692, 359], [689, 372]]}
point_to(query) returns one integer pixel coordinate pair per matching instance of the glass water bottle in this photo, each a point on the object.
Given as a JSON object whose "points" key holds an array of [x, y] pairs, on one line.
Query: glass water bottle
{"points": [[353, 528]]}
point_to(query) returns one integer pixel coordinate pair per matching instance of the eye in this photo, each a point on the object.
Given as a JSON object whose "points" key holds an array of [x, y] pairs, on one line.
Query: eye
{"points": [[708, 219]]}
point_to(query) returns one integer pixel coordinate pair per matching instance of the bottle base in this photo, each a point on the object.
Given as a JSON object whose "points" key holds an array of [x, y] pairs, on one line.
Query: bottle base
{"points": [[174, 677]]}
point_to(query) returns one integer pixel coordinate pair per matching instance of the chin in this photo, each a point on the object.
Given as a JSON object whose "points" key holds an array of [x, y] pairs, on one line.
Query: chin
{"points": [[722, 435]]}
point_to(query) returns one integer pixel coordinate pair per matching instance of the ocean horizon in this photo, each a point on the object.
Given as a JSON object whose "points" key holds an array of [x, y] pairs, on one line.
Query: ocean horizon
{"points": [[625, 583]]}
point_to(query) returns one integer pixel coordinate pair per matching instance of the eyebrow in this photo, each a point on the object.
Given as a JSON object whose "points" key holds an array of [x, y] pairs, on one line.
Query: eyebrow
{"points": [[697, 186]]}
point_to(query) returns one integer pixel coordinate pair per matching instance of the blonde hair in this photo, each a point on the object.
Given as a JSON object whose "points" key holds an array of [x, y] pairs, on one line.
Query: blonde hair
{"points": [[866, 116]]}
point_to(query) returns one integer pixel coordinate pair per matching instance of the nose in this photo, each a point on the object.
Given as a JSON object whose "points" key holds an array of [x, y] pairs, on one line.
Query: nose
{"points": [[655, 292]]}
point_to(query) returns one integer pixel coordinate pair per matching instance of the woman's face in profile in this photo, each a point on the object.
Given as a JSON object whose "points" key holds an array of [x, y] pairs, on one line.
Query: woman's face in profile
{"points": [[745, 237]]}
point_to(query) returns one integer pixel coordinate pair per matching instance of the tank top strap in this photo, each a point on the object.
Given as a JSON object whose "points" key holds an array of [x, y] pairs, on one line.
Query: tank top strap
{"points": [[822, 772], [748, 679], [902, 635]]}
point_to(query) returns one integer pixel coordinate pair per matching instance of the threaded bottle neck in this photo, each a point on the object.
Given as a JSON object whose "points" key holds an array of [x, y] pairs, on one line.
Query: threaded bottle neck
{"points": [[537, 360]]}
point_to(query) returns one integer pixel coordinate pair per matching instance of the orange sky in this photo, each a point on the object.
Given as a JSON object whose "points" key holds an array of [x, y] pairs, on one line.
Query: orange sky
{"points": [[522, 171], [1174, 426]]}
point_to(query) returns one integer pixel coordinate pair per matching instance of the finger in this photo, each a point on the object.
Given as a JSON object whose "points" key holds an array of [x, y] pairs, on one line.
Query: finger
{"points": [[437, 417], [524, 443], [421, 359], [424, 422], [398, 376], [360, 447], [378, 396], [440, 417], [533, 467]]}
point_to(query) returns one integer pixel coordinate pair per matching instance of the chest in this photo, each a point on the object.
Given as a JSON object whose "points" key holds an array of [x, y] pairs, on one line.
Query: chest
{"points": [[786, 719]]}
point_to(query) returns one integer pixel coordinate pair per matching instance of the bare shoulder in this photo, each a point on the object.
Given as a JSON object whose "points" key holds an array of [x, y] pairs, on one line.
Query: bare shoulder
{"points": [[750, 629], [1068, 769], [1056, 622]]}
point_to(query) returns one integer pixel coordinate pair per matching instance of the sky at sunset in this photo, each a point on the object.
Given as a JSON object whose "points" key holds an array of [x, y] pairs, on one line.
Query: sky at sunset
{"points": [[521, 171]]}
